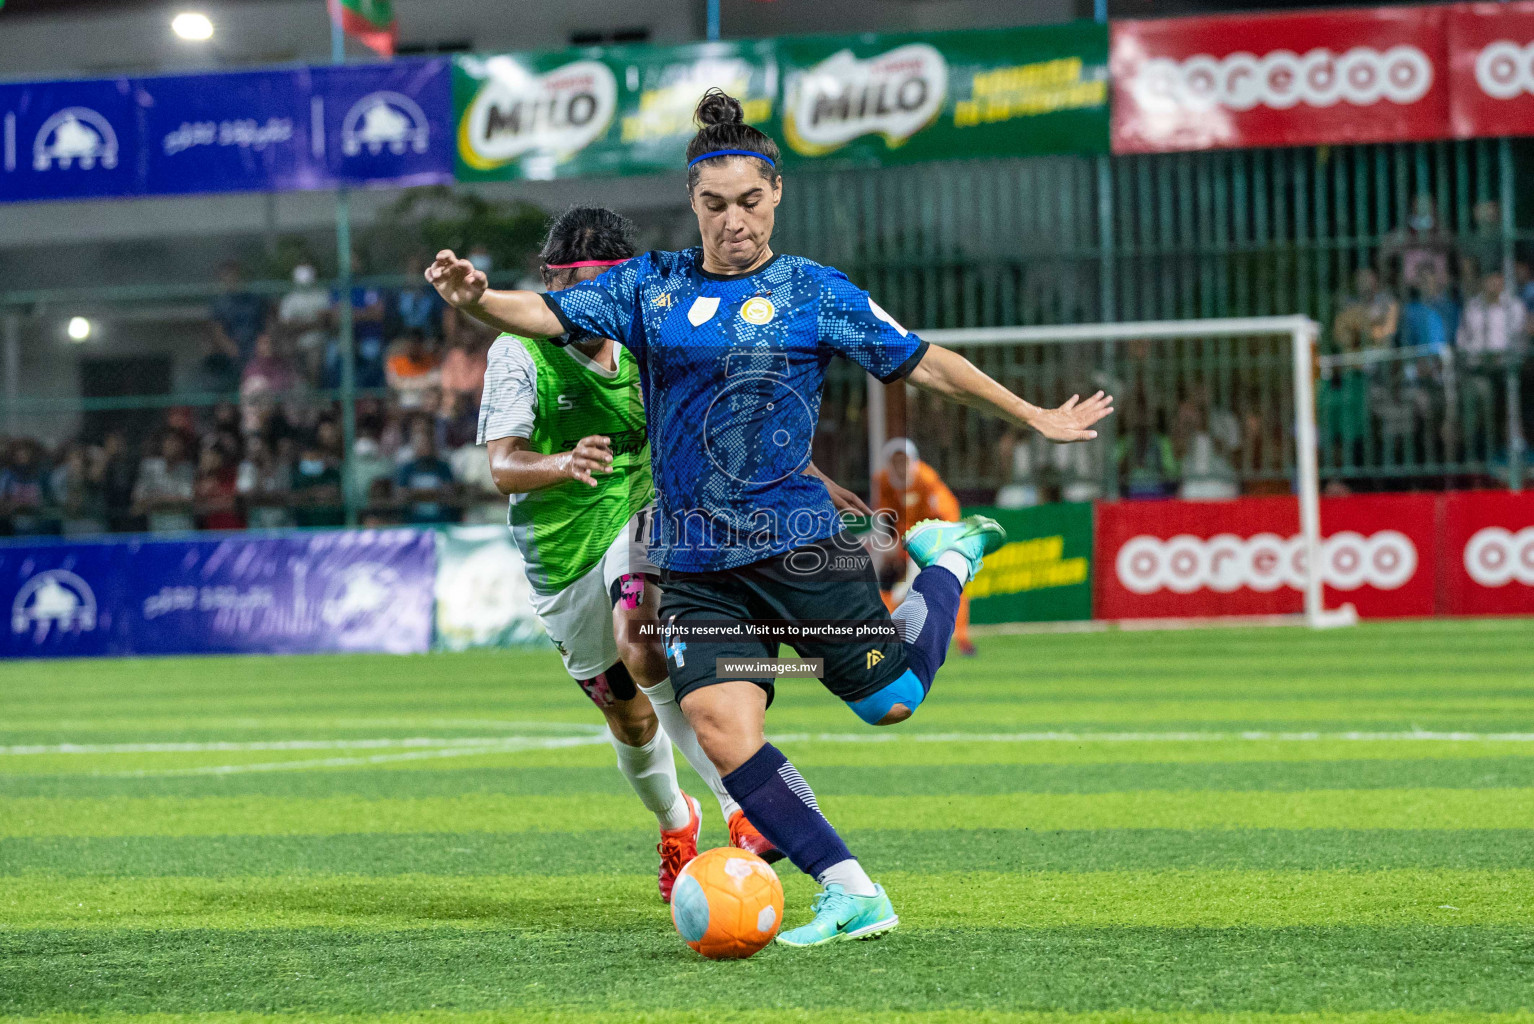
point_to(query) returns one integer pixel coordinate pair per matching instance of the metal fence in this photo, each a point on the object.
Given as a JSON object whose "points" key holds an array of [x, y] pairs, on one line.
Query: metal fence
{"points": [[1015, 242], [1197, 235]]}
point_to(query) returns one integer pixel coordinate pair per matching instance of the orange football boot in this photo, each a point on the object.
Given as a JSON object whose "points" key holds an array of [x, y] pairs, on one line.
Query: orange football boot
{"points": [[744, 835], [677, 847]]}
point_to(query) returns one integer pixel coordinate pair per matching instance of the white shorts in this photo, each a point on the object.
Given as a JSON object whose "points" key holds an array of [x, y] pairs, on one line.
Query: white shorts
{"points": [[579, 618]]}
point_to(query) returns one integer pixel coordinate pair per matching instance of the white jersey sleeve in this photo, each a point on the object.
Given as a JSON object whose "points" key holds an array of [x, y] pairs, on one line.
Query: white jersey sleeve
{"points": [[509, 407]]}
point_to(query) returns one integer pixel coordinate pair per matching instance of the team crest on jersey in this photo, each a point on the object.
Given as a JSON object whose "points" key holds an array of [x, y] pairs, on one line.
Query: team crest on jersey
{"points": [[702, 311], [758, 311]]}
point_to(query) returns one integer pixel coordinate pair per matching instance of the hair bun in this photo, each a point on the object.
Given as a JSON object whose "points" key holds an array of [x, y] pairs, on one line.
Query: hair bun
{"points": [[717, 107]]}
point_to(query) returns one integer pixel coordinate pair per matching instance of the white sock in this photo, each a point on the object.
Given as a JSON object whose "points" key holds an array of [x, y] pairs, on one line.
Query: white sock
{"points": [[651, 770], [955, 563], [663, 700], [849, 874]]}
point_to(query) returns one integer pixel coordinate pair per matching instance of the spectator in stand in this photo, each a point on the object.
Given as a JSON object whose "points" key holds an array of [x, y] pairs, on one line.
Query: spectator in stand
{"points": [[1420, 243], [267, 372], [1481, 250], [419, 307], [218, 368], [1493, 322], [316, 488], [217, 492], [305, 316], [372, 472], [119, 473], [166, 487], [263, 484], [463, 369], [1203, 442], [1427, 317], [412, 370], [25, 495], [77, 488], [1368, 318], [1144, 454], [368, 314], [239, 316], [327, 438], [457, 422], [426, 482], [1523, 284]]}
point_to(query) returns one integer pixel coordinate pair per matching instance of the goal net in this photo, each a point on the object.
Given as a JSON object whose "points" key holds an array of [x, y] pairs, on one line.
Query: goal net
{"points": [[1206, 409]]}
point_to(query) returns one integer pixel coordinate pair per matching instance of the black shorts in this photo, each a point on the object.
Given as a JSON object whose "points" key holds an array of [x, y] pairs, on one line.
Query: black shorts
{"points": [[831, 579]]}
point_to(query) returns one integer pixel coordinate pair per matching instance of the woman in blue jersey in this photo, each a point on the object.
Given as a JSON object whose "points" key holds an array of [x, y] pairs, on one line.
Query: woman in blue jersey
{"points": [[732, 341]]}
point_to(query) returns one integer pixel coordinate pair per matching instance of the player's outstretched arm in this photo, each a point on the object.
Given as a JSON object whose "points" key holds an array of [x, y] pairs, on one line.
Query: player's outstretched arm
{"points": [[517, 470], [468, 289], [951, 375]]}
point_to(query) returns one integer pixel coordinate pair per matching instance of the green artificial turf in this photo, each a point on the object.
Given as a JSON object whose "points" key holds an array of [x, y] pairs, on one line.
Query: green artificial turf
{"points": [[1260, 826]]}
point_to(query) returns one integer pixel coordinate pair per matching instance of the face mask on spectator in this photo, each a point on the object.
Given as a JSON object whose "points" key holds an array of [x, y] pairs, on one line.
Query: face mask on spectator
{"points": [[1421, 222], [311, 467], [303, 276], [482, 261]]}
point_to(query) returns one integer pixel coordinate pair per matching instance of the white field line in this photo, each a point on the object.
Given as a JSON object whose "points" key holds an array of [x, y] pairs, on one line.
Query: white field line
{"points": [[510, 744], [420, 747], [269, 745], [1159, 737]]}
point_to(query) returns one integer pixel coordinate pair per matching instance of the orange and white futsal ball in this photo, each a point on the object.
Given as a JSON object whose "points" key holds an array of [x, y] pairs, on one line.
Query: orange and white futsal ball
{"points": [[727, 903]]}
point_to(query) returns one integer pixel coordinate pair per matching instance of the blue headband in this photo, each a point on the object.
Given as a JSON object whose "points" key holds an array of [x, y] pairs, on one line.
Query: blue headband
{"points": [[733, 152]]}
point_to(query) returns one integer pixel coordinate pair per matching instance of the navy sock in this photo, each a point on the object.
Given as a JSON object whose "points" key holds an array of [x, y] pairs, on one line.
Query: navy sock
{"points": [[779, 803], [926, 619]]}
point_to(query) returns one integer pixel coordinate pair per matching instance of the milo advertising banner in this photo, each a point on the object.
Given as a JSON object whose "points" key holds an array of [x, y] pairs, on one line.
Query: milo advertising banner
{"points": [[859, 99], [1044, 571], [617, 110], [483, 597], [899, 99]]}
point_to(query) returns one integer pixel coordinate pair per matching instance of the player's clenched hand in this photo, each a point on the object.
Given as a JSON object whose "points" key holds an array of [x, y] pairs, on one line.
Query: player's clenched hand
{"points": [[456, 280], [592, 455], [1073, 421]]}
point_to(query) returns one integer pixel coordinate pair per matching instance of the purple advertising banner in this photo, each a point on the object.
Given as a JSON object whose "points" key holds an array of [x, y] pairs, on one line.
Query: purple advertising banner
{"points": [[281, 130], [298, 593]]}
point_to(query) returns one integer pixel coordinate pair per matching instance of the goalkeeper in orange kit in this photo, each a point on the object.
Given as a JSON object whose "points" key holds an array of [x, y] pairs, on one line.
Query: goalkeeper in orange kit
{"points": [[910, 490]]}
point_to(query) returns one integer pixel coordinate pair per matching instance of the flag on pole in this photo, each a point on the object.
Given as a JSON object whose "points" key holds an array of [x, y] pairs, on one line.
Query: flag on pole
{"points": [[371, 21]]}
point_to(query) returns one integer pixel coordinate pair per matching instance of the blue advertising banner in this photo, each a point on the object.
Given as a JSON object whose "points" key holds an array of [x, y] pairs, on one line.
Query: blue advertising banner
{"points": [[386, 123], [69, 140], [65, 601], [245, 132], [296, 593], [300, 128]]}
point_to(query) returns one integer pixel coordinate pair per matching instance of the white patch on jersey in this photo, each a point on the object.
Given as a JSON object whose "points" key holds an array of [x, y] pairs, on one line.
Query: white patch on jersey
{"points": [[879, 312], [702, 311]]}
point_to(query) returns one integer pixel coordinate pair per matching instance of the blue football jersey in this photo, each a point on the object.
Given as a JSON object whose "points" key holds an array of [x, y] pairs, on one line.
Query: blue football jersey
{"points": [[732, 369]]}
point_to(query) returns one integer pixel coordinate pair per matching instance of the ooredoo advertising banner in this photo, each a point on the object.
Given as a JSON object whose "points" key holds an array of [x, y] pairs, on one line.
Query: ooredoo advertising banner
{"points": [[1160, 559], [1491, 68], [1488, 553], [1239, 81]]}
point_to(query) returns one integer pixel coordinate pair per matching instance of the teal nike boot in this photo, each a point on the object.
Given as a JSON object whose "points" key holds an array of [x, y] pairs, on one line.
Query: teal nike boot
{"points": [[974, 537], [840, 916]]}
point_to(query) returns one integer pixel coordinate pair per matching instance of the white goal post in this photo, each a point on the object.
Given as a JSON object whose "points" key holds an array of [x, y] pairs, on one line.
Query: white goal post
{"points": [[1301, 333]]}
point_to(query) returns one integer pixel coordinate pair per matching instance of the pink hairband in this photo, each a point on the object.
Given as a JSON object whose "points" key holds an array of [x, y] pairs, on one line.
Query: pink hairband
{"points": [[584, 263]]}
